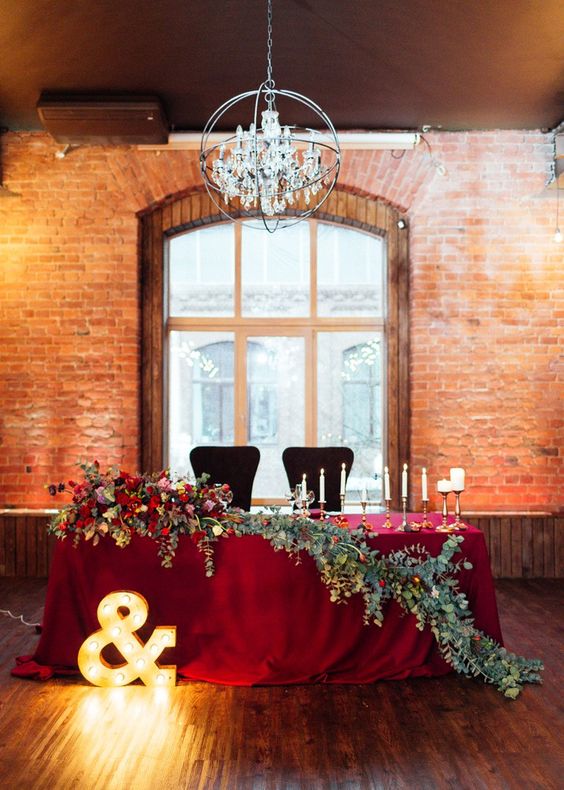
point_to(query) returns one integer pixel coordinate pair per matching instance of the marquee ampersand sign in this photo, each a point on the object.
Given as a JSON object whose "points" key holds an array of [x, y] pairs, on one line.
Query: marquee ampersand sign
{"points": [[140, 658]]}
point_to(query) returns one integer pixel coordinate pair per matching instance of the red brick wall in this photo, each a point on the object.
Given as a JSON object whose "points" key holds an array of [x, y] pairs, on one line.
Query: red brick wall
{"points": [[487, 309]]}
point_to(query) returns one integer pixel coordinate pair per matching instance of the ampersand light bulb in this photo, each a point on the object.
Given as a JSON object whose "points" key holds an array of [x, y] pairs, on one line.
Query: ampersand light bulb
{"points": [[119, 629]]}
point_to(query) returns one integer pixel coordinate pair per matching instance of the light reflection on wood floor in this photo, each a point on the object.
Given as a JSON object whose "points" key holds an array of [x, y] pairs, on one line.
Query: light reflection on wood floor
{"points": [[439, 733]]}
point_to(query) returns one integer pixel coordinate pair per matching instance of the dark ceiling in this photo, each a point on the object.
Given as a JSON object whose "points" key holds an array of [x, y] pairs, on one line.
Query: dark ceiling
{"points": [[371, 64]]}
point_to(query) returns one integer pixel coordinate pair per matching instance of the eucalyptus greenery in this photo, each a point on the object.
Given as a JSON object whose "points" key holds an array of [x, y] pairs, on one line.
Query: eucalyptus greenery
{"points": [[423, 585], [162, 509]]}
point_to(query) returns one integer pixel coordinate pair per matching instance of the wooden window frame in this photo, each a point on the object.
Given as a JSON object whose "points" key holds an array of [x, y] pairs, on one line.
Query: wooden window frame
{"points": [[185, 212]]}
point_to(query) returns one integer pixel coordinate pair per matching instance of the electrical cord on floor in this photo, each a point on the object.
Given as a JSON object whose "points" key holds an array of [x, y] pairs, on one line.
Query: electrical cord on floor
{"points": [[19, 617]]}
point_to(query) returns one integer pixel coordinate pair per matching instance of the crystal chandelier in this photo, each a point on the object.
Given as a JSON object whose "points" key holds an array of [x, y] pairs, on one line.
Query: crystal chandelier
{"points": [[280, 174]]}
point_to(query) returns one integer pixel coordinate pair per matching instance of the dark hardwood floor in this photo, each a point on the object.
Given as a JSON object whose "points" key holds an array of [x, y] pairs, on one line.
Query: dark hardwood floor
{"points": [[439, 733]]}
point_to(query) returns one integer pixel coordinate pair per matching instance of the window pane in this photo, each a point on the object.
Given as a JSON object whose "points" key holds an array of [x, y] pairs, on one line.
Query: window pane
{"points": [[349, 403], [201, 393], [201, 272], [276, 406], [349, 272], [275, 271]]}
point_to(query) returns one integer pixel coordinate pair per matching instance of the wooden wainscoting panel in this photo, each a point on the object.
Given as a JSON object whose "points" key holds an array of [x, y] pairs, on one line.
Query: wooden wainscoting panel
{"points": [[559, 547], [25, 546], [520, 546], [516, 554]]}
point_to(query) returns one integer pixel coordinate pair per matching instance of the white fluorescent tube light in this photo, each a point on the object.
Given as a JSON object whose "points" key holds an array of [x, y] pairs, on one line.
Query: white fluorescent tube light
{"points": [[395, 141]]}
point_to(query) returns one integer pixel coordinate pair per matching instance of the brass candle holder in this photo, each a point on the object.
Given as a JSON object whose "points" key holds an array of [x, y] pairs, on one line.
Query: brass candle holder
{"points": [[387, 522], [322, 504], [458, 524], [444, 525], [426, 524], [404, 526], [305, 511], [363, 505]]}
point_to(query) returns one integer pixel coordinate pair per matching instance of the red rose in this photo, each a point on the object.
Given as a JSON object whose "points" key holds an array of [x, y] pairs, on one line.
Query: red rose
{"points": [[198, 535], [165, 530], [382, 583], [122, 498], [84, 511]]}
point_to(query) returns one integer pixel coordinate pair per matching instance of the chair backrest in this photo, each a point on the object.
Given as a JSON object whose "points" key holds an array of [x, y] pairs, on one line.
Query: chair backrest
{"points": [[310, 460], [234, 465]]}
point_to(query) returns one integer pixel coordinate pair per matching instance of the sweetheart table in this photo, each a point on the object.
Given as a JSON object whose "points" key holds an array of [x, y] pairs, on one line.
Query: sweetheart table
{"points": [[261, 619]]}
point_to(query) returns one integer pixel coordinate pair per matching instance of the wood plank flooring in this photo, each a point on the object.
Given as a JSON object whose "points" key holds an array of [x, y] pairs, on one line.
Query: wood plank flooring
{"points": [[425, 734]]}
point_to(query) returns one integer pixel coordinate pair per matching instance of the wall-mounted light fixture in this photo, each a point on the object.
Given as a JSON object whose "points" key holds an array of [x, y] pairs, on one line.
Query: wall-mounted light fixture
{"points": [[558, 171], [4, 191]]}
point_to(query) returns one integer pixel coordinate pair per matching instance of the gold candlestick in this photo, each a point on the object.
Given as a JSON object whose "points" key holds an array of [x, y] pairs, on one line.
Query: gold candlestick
{"points": [[458, 524], [322, 504], [404, 526], [387, 522], [426, 524], [444, 526], [363, 507]]}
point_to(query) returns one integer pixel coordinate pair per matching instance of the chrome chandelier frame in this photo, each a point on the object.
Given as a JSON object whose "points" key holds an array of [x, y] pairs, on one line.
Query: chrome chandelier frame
{"points": [[258, 173]]}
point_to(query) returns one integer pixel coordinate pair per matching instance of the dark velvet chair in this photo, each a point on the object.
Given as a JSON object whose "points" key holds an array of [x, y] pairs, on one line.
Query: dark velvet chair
{"points": [[310, 460], [234, 465]]}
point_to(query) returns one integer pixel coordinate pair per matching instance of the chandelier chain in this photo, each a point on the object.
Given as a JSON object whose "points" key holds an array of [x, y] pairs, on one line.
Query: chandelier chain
{"points": [[269, 81]]}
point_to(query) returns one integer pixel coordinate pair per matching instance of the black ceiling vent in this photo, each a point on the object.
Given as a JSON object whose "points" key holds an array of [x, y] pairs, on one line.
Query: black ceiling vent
{"points": [[103, 120]]}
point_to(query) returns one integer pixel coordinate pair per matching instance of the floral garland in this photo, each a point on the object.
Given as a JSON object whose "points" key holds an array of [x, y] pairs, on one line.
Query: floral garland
{"points": [[159, 506], [162, 508]]}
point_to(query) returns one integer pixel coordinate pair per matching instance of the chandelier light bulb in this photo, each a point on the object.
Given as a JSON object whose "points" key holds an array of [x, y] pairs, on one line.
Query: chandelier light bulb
{"points": [[278, 172], [558, 236]]}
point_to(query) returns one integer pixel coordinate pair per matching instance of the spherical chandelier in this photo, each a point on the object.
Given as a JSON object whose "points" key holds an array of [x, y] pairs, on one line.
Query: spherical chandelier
{"points": [[280, 174]]}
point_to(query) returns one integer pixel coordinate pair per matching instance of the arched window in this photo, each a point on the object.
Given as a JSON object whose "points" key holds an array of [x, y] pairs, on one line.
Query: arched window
{"points": [[297, 337]]}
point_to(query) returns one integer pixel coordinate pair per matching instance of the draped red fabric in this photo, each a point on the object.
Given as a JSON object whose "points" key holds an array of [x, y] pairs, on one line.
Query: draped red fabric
{"points": [[261, 619]]}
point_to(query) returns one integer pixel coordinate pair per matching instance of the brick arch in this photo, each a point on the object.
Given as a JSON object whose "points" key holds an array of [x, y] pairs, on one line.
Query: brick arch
{"points": [[192, 209]]}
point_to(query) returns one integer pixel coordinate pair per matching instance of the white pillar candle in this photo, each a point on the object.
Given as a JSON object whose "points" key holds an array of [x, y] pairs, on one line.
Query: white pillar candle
{"points": [[304, 488], [387, 484], [424, 493], [322, 486], [457, 478], [404, 482], [343, 479], [444, 486]]}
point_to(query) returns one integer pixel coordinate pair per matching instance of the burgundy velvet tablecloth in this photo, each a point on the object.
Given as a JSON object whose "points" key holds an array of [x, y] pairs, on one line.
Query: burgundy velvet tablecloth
{"points": [[261, 619]]}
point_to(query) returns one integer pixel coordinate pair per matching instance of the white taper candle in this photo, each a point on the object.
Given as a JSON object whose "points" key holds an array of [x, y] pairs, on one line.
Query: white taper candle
{"points": [[404, 482]]}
